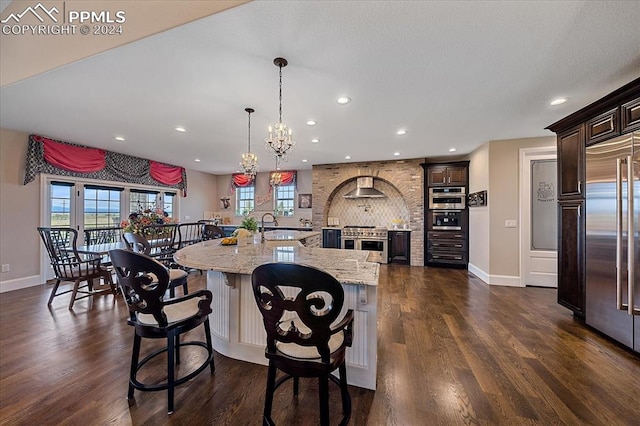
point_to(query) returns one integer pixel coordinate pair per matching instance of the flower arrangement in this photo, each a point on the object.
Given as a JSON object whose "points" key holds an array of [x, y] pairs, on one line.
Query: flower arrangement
{"points": [[137, 221]]}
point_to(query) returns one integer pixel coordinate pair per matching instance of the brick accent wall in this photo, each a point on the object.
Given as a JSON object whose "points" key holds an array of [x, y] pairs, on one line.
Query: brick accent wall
{"points": [[405, 176]]}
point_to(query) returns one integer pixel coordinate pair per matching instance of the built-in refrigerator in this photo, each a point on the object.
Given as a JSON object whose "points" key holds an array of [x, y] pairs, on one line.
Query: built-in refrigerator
{"points": [[613, 238]]}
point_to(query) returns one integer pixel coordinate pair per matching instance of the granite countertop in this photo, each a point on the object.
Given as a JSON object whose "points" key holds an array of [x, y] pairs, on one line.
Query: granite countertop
{"points": [[348, 266], [289, 235]]}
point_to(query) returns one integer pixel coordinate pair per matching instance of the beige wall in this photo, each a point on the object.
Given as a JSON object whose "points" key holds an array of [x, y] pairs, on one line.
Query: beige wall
{"points": [[202, 196], [20, 211], [264, 199], [479, 230], [494, 252]]}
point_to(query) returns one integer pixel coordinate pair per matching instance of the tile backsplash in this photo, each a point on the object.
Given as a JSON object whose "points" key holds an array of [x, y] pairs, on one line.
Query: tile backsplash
{"points": [[370, 211]]}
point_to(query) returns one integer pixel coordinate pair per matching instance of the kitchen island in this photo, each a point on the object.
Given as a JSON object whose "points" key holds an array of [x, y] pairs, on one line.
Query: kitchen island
{"points": [[237, 330]]}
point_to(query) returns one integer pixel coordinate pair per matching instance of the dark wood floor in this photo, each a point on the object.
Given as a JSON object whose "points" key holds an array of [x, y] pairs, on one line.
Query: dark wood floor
{"points": [[452, 350]]}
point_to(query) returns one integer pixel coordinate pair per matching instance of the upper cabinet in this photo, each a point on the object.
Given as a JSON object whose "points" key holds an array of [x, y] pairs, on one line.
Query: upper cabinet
{"points": [[631, 116], [447, 176], [571, 162]]}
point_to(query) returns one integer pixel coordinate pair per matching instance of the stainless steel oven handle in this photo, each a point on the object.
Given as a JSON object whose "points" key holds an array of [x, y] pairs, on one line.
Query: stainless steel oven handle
{"points": [[621, 306], [630, 237]]}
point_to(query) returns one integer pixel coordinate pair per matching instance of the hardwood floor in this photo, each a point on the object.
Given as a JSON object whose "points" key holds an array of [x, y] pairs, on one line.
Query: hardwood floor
{"points": [[452, 351]]}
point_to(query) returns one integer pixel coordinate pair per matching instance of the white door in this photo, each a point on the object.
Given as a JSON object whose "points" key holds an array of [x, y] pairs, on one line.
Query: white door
{"points": [[538, 217]]}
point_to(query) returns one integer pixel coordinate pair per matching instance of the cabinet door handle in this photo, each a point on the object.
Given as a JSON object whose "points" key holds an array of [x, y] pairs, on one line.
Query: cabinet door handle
{"points": [[579, 187]]}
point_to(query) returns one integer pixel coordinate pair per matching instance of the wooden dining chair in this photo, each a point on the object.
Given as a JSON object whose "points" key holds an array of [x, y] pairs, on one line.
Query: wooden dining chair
{"points": [[143, 282], [69, 265], [300, 306], [140, 244], [212, 232]]}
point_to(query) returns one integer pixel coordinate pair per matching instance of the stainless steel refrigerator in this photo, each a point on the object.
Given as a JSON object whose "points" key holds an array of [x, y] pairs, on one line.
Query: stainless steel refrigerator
{"points": [[613, 238]]}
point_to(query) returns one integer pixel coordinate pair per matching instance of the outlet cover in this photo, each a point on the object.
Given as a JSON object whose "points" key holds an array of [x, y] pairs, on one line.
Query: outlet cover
{"points": [[5, 267], [510, 223], [187, 217]]}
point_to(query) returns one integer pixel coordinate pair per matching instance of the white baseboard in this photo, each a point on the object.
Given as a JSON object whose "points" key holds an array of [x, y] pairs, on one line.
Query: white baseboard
{"points": [[478, 272], [19, 283], [503, 280]]}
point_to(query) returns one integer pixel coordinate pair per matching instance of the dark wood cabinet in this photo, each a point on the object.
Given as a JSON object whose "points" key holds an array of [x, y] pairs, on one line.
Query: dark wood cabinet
{"points": [[331, 238], [399, 247], [447, 175], [571, 256], [446, 247], [630, 113], [603, 127], [615, 114], [571, 145]]}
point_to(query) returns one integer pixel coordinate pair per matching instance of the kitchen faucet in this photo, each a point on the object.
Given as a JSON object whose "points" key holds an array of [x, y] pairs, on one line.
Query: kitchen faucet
{"points": [[275, 222]]}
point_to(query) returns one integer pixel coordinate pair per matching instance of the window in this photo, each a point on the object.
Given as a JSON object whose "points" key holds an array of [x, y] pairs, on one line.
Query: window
{"points": [[140, 200], [285, 195], [101, 206], [167, 203], [60, 212], [244, 200]]}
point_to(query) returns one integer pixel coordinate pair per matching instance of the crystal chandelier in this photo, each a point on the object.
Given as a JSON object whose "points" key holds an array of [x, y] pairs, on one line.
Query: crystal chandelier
{"points": [[249, 161], [279, 141], [276, 177]]}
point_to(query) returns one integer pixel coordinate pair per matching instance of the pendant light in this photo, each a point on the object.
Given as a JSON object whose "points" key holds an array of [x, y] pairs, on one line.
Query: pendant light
{"points": [[249, 161], [279, 141]]}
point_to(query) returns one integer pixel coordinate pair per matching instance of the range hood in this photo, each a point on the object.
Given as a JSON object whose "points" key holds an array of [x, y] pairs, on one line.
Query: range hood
{"points": [[365, 189]]}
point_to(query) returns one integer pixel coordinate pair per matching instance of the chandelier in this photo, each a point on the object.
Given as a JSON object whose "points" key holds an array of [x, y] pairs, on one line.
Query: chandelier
{"points": [[276, 177], [249, 161], [279, 141]]}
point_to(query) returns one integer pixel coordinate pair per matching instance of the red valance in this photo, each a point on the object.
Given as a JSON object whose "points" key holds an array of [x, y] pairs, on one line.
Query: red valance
{"points": [[163, 173], [240, 179], [286, 178], [73, 158]]}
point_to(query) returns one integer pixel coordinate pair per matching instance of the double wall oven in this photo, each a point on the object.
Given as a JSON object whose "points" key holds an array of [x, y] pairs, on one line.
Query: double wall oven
{"points": [[371, 238], [446, 217]]}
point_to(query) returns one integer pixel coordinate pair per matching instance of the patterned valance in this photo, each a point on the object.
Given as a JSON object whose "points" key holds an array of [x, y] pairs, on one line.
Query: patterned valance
{"points": [[239, 180], [54, 157], [282, 178]]}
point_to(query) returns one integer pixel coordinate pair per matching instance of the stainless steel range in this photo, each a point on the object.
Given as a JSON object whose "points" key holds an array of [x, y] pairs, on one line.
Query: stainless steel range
{"points": [[371, 238]]}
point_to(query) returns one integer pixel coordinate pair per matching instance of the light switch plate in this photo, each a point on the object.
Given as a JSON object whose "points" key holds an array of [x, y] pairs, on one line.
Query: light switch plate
{"points": [[5, 267], [510, 223]]}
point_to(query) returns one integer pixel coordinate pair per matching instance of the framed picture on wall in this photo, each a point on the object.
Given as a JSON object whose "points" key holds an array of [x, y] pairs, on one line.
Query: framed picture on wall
{"points": [[304, 201]]}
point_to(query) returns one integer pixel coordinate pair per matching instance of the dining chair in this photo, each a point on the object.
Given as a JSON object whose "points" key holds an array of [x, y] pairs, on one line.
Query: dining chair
{"points": [[69, 265], [189, 233], [143, 282], [299, 306], [140, 244], [212, 232]]}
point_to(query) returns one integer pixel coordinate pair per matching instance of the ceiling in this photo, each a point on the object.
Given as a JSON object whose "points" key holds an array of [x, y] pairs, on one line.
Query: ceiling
{"points": [[453, 74]]}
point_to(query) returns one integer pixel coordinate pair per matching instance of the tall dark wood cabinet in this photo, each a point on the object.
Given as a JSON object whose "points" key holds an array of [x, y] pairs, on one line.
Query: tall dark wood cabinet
{"points": [[606, 118], [446, 230], [571, 256]]}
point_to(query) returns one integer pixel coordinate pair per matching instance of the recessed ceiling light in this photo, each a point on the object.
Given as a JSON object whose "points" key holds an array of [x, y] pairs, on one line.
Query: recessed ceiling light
{"points": [[343, 100], [119, 138], [401, 132], [312, 123], [396, 154], [315, 140], [558, 101], [304, 160], [348, 157], [452, 150], [180, 129], [197, 160]]}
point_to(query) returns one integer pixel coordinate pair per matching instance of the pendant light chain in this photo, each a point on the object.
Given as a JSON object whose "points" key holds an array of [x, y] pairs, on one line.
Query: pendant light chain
{"points": [[279, 140], [249, 132], [280, 110]]}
